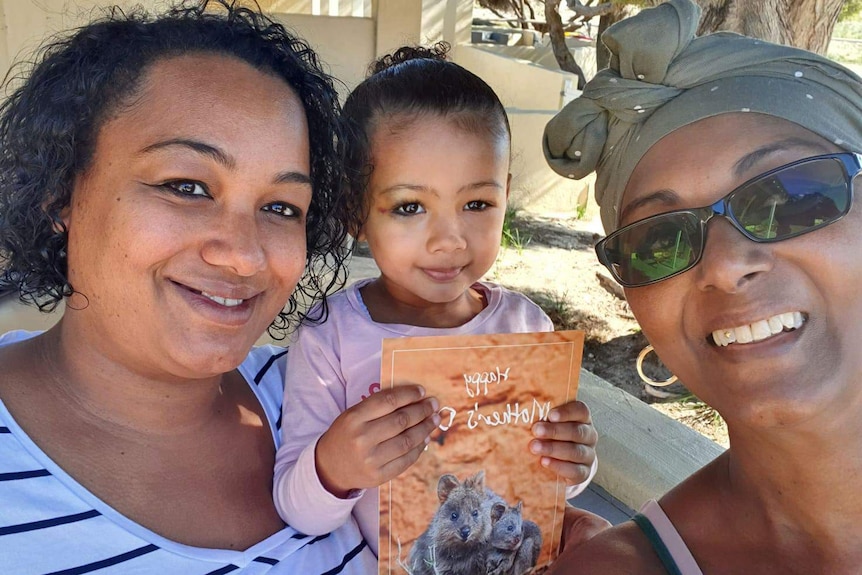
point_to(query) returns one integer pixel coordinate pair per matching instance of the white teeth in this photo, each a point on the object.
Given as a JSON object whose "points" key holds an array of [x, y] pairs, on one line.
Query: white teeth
{"points": [[775, 324], [759, 330], [225, 301]]}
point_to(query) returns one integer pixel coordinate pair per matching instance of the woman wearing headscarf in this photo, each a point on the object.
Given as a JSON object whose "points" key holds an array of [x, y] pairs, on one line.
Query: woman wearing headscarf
{"points": [[725, 169]]}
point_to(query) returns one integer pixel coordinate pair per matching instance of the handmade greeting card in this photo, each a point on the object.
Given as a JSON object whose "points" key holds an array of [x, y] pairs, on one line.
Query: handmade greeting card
{"points": [[478, 501]]}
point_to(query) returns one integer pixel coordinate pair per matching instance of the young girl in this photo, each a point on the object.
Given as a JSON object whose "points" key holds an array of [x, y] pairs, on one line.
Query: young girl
{"points": [[431, 158]]}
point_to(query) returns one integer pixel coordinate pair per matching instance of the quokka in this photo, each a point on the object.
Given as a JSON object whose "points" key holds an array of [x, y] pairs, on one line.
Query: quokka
{"points": [[515, 542], [457, 539]]}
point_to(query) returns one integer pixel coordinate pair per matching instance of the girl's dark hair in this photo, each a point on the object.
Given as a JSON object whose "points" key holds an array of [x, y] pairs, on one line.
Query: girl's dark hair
{"points": [[49, 126], [401, 87]]}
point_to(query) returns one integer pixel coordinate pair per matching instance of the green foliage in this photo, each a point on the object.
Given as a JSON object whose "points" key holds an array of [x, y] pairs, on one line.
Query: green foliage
{"points": [[512, 237], [850, 29], [850, 10], [582, 211]]}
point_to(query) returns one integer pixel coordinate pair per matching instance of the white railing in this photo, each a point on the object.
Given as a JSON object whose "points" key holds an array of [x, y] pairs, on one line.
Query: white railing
{"points": [[355, 8]]}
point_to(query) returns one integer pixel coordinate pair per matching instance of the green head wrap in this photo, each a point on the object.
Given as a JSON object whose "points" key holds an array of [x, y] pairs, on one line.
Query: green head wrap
{"points": [[661, 78]]}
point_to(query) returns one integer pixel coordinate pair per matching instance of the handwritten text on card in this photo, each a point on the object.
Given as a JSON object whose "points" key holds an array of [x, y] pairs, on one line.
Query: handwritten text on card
{"points": [[476, 384]]}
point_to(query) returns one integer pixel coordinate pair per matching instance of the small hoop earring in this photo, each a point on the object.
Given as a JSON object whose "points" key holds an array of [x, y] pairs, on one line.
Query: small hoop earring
{"points": [[646, 379]]}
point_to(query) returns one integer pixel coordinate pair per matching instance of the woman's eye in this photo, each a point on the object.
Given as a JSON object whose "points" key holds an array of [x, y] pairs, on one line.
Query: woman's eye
{"points": [[409, 209], [283, 209], [187, 188], [476, 205]]}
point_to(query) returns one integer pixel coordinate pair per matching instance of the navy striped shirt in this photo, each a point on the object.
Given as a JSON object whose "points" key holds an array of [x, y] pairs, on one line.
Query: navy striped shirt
{"points": [[51, 524]]}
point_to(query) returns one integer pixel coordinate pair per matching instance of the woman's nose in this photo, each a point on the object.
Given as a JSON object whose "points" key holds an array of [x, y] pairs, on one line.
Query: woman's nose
{"points": [[235, 244], [730, 260]]}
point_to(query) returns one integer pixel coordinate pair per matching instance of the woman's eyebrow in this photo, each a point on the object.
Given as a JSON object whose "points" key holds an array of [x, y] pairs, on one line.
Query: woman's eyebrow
{"points": [[223, 158], [751, 159], [197, 146], [667, 197]]}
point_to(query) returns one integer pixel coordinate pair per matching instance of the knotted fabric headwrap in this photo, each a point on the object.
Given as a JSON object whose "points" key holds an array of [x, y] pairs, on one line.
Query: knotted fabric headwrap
{"points": [[661, 78]]}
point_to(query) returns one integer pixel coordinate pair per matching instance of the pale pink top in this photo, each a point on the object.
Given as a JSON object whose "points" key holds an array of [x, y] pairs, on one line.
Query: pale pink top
{"points": [[333, 366]]}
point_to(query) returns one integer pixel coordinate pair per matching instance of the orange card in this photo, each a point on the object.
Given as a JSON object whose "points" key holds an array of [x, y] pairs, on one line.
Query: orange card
{"points": [[477, 498]]}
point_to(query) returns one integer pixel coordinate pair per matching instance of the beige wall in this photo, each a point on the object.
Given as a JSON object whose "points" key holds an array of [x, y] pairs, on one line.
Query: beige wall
{"points": [[523, 76], [26, 23], [532, 94], [345, 45]]}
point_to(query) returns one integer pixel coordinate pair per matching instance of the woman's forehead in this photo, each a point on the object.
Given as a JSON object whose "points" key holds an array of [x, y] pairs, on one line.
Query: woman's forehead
{"points": [[718, 151]]}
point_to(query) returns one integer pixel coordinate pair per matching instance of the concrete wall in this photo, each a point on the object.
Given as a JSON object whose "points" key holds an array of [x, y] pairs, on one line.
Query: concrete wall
{"points": [[532, 94], [345, 45], [525, 77], [24, 24]]}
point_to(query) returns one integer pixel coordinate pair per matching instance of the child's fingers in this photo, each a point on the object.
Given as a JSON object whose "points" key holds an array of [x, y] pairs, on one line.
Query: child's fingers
{"points": [[406, 441], [571, 411], [400, 464], [396, 423], [564, 451], [575, 432], [388, 400], [573, 473]]}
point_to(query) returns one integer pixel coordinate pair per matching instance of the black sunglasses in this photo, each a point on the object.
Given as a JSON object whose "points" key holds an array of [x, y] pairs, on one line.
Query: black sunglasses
{"points": [[783, 203]]}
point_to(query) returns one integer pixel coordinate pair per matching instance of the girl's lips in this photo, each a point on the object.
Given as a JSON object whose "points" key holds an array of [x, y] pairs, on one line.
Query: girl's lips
{"points": [[442, 274]]}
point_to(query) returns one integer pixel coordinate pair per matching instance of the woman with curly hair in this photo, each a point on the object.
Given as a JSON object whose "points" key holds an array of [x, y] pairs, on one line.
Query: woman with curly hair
{"points": [[173, 180]]}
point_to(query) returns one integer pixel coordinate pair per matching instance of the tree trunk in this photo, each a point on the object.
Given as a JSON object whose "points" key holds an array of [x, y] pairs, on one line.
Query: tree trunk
{"points": [[805, 24], [558, 42]]}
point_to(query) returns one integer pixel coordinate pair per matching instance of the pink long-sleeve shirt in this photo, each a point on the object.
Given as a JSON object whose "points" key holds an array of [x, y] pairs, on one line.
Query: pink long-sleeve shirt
{"points": [[335, 365]]}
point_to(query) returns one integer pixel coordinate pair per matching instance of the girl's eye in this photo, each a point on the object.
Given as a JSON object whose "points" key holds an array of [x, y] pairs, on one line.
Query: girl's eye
{"points": [[283, 209], [187, 188], [409, 209], [476, 205]]}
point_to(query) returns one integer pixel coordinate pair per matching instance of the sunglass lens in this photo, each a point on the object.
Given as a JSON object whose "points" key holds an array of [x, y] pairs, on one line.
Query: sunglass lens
{"points": [[655, 249], [792, 201]]}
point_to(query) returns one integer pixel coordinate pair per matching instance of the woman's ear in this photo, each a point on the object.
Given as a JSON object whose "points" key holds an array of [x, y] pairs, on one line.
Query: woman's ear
{"points": [[65, 217], [58, 219]]}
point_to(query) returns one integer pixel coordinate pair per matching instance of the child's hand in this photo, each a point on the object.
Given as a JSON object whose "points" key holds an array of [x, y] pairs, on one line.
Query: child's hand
{"points": [[376, 439], [567, 442]]}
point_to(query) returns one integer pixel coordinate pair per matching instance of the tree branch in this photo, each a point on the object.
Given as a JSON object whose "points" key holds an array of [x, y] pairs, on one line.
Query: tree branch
{"points": [[589, 12], [558, 42]]}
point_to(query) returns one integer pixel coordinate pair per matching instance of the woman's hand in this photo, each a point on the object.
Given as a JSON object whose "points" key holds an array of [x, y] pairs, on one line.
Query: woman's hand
{"points": [[566, 442], [376, 439], [580, 525]]}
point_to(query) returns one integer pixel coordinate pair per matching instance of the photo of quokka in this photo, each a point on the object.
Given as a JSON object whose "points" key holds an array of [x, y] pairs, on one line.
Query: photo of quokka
{"points": [[474, 532]]}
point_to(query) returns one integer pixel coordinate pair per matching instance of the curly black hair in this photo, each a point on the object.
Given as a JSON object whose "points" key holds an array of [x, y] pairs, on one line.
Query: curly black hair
{"points": [[412, 82], [49, 125]]}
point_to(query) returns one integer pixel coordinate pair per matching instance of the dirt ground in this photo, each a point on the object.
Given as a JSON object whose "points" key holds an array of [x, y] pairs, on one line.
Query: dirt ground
{"points": [[556, 266]]}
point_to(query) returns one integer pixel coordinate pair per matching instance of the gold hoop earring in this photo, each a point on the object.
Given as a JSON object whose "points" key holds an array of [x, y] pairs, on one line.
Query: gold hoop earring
{"points": [[646, 379]]}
